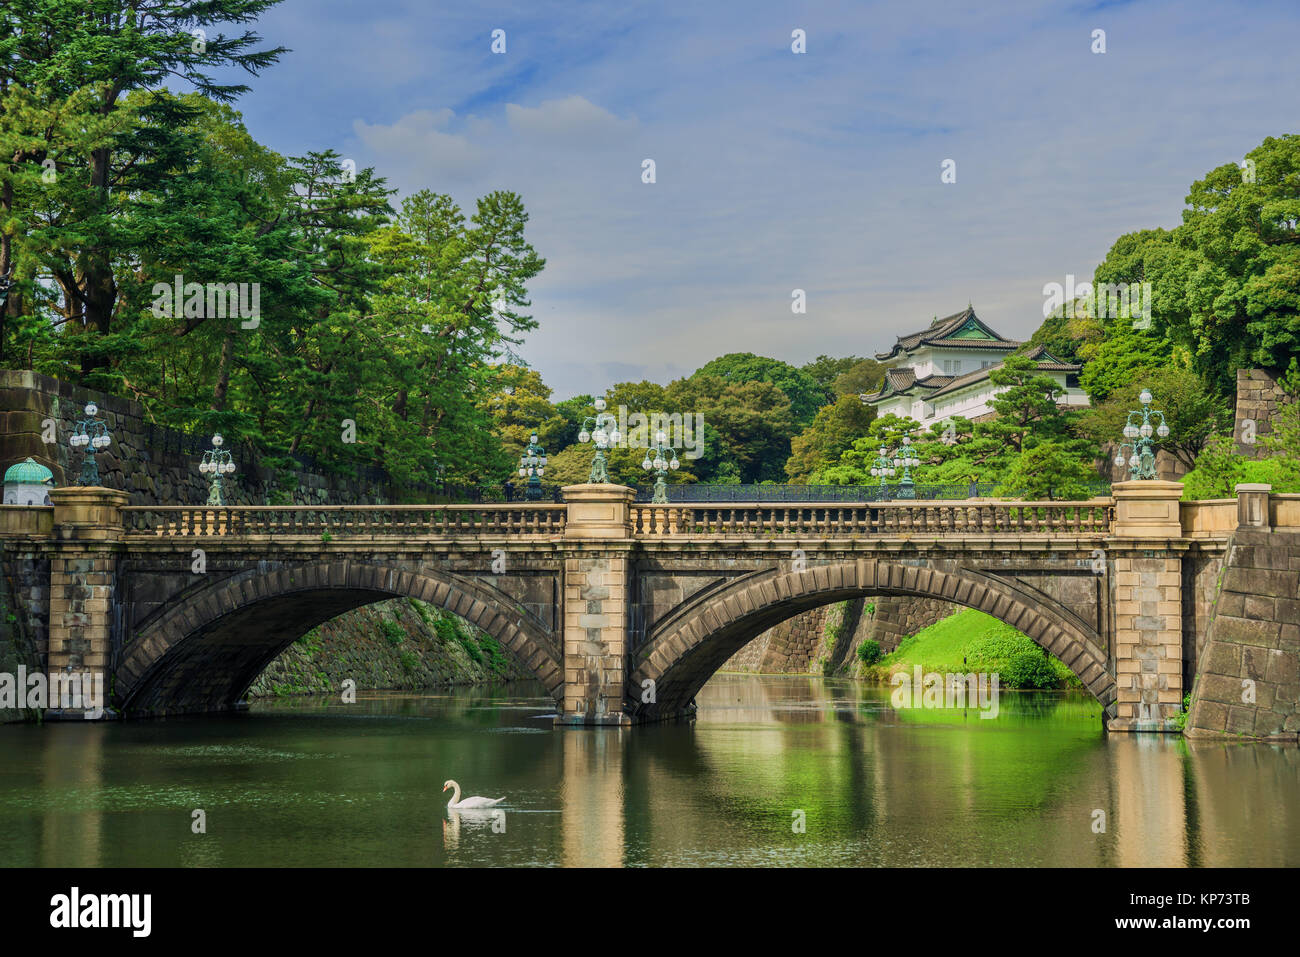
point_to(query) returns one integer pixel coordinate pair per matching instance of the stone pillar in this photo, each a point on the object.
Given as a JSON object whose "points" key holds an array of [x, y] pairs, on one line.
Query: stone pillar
{"points": [[1252, 506], [1148, 584], [598, 540], [88, 533]]}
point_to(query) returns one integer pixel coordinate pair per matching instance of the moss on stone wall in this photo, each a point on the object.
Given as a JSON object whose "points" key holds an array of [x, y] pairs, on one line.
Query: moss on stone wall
{"points": [[401, 644], [16, 647]]}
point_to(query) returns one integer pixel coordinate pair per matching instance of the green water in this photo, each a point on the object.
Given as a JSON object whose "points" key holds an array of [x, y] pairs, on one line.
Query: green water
{"points": [[317, 782]]}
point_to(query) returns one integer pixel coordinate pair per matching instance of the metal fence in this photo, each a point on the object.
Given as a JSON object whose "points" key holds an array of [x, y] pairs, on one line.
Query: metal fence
{"points": [[706, 494], [494, 494]]}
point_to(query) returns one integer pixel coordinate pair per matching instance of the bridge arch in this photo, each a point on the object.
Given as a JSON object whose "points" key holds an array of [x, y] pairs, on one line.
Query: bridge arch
{"points": [[204, 649], [691, 644]]}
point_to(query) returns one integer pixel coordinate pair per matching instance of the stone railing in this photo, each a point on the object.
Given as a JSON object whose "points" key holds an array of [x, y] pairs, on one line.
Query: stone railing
{"points": [[1284, 511], [1005, 518], [1210, 518], [346, 521]]}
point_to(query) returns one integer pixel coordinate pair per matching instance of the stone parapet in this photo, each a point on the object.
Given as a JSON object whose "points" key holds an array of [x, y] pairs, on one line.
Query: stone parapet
{"points": [[598, 512], [1147, 509], [1248, 680]]}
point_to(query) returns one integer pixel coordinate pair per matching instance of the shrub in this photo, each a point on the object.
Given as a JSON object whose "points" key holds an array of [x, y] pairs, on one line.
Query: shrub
{"points": [[493, 658], [447, 629], [1029, 669], [410, 661], [393, 632], [869, 651], [998, 645], [471, 649], [422, 610]]}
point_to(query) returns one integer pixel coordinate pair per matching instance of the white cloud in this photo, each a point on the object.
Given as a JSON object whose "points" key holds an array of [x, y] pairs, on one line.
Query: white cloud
{"points": [[777, 171], [574, 121], [419, 143]]}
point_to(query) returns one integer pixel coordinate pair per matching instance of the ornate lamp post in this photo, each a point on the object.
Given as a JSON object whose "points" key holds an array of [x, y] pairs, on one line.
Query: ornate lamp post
{"points": [[533, 465], [90, 435], [907, 456], [605, 433], [1141, 458], [888, 463], [884, 467], [661, 464], [216, 462]]}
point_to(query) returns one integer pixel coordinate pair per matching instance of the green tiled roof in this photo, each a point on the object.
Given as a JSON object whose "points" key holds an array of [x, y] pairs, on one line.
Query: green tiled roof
{"points": [[30, 472]]}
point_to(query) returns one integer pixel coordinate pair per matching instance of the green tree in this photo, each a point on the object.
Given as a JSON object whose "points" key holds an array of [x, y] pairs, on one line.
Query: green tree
{"points": [[832, 432], [88, 59], [802, 390], [521, 406], [1048, 470], [1192, 412], [855, 463], [1027, 412], [837, 377], [1123, 357], [1240, 241]]}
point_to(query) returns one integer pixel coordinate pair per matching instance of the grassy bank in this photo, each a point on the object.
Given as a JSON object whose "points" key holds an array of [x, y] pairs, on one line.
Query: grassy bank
{"points": [[973, 641]]}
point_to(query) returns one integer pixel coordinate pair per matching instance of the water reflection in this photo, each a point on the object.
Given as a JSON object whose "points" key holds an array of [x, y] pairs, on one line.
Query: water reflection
{"points": [[317, 782]]}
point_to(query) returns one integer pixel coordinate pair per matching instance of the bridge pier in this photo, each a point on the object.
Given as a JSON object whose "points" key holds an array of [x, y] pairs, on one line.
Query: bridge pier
{"points": [[595, 604], [1148, 601], [88, 535]]}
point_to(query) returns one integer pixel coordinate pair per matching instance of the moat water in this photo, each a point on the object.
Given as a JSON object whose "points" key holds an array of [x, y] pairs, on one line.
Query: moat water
{"points": [[775, 771]]}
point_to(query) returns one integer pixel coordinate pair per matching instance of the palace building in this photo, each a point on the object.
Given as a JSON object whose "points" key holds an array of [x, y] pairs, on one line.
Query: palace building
{"points": [[942, 372]]}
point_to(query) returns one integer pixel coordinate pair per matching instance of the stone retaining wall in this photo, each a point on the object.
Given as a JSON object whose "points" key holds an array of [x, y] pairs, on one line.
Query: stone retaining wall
{"points": [[1258, 398], [396, 644], [1249, 680], [24, 616], [898, 618], [789, 648], [802, 644]]}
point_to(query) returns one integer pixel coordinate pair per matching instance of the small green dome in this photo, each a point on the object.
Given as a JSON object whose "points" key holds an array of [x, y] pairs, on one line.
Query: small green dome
{"points": [[30, 472]]}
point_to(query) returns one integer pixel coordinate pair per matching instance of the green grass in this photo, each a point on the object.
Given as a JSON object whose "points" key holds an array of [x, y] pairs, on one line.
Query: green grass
{"points": [[986, 644]]}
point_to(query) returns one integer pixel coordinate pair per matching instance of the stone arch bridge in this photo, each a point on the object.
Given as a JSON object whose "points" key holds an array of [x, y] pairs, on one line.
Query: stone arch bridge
{"points": [[622, 611]]}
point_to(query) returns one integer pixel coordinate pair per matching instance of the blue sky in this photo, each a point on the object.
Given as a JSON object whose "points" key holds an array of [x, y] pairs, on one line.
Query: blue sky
{"points": [[779, 171]]}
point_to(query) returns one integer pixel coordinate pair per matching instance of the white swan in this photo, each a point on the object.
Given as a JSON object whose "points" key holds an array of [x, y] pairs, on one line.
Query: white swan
{"points": [[470, 803]]}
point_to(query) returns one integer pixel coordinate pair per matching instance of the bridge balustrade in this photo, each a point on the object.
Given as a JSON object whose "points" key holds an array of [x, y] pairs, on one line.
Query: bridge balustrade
{"points": [[346, 521], [1003, 518], [648, 521]]}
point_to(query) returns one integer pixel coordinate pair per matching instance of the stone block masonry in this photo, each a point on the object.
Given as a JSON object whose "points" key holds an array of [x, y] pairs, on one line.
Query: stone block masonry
{"points": [[1259, 396], [404, 645], [595, 613], [1249, 681], [796, 646]]}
